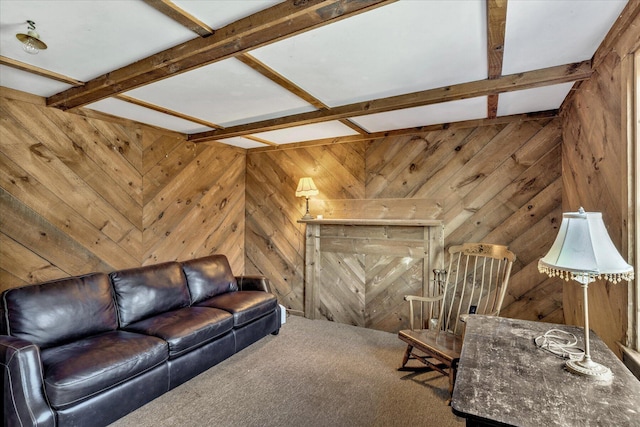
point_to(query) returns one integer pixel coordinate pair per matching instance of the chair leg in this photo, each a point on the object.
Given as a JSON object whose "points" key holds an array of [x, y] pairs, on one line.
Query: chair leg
{"points": [[453, 371], [407, 354]]}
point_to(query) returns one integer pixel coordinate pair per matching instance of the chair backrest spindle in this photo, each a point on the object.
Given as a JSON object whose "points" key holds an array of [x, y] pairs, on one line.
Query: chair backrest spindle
{"points": [[476, 282]]}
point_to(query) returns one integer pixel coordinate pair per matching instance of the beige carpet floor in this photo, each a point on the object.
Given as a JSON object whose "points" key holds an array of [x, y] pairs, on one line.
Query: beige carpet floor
{"points": [[314, 373]]}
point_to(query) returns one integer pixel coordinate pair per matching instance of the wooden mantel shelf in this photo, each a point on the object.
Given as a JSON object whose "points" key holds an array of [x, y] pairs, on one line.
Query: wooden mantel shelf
{"points": [[373, 221]]}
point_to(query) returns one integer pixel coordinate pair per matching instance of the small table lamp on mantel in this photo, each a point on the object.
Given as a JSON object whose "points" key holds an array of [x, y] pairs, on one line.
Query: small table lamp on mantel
{"points": [[306, 188], [584, 252]]}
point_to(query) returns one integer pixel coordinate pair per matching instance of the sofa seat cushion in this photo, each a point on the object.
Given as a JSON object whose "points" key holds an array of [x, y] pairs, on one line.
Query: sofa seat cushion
{"points": [[246, 306], [186, 328], [80, 369]]}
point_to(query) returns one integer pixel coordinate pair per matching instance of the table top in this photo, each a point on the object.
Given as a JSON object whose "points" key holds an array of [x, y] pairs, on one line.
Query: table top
{"points": [[504, 379]]}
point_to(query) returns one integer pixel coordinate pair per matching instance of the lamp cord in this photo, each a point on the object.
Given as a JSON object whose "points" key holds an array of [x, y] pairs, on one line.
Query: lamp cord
{"points": [[560, 343]]}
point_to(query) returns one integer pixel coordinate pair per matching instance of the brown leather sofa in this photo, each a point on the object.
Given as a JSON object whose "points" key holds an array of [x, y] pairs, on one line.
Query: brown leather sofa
{"points": [[87, 350]]}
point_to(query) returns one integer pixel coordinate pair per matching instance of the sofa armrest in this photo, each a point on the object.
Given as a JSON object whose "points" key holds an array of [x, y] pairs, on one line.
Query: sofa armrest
{"points": [[253, 283], [24, 401]]}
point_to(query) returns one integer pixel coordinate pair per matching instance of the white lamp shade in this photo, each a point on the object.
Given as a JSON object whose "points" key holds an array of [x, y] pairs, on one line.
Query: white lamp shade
{"points": [[583, 251], [306, 188]]}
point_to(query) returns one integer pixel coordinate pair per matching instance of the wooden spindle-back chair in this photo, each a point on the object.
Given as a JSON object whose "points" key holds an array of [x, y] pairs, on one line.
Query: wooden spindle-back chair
{"points": [[474, 283]]}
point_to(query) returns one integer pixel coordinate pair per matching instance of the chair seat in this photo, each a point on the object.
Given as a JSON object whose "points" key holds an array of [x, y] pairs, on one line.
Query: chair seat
{"points": [[474, 283], [439, 343]]}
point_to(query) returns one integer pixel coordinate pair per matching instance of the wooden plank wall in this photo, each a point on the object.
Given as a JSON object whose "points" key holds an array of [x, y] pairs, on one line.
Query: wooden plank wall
{"points": [[274, 240], [595, 166], [499, 184], [193, 202], [84, 192]]}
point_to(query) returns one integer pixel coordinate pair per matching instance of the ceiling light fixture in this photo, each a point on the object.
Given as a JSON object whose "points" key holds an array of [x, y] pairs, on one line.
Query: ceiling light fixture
{"points": [[31, 42]]}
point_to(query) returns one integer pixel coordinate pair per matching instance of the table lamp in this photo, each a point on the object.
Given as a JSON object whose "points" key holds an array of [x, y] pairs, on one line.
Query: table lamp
{"points": [[306, 188], [584, 252]]}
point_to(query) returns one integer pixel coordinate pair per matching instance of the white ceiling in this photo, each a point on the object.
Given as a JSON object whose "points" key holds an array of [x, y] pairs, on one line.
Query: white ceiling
{"points": [[399, 48]]}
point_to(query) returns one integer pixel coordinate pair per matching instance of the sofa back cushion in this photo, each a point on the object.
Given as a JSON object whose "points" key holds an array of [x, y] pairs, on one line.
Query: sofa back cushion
{"points": [[208, 277], [60, 311], [144, 291]]}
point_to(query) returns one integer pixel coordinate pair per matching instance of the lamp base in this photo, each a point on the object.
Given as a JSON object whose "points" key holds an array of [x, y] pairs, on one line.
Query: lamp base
{"points": [[588, 367], [307, 216]]}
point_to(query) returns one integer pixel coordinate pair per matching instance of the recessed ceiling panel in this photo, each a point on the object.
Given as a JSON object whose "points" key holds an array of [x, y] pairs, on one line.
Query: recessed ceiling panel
{"points": [[30, 83], [131, 111], [532, 100], [402, 47], [88, 38], [447, 112], [543, 33], [307, 133], [226, 93], [219, 13], [242, 142]]}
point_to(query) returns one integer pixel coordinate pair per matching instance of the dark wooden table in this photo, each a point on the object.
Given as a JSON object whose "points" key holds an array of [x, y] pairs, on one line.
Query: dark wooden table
{"points": [[504, 379]]}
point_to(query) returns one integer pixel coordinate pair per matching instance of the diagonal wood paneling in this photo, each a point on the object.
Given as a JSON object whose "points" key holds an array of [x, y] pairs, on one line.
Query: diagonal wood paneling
{"points": [[497, 183], [189, 202], [500, 183], [274, 238], [359, 274], [70, 196], [390, 279], [31, 140], [99, 193], [87, 192], [343, 300]]}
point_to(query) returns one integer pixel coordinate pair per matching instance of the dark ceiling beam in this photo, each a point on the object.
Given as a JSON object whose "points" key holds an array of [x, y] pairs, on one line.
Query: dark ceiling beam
{"points": [[181, 16], [267, 26], [414, 131], [520, 81], [287, 84], [496, 23]]}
